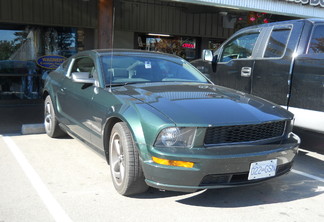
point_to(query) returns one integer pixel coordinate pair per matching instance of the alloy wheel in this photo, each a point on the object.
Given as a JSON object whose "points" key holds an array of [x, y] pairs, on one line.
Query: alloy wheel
{"points": [[48, 117], [117, 160]]}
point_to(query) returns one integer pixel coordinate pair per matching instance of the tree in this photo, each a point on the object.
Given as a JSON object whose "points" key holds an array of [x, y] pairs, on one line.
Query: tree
{"points": [[252, 18], [6, 49], [21, 37]]}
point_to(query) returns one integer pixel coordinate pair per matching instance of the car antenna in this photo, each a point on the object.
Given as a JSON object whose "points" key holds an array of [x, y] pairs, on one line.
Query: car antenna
{"points": [[112, 48]]}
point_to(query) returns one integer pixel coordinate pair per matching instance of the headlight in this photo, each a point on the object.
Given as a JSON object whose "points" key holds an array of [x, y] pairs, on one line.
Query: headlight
{"points": [[176, 137]]}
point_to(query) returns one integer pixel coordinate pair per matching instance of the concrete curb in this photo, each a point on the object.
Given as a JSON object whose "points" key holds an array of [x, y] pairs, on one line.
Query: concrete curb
{"points": [[32, 129]]}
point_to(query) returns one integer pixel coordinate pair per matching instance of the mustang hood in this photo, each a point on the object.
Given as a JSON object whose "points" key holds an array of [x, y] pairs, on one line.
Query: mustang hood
{"points": [[205, 104]]}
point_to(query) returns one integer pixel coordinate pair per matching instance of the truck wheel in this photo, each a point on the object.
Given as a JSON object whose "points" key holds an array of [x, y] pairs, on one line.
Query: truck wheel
{"points": [[51, 124], [125, 167]]}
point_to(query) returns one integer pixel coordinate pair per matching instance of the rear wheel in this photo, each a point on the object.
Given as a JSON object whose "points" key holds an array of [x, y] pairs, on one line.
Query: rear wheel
{"points": [[51, 124], [125, 168]]}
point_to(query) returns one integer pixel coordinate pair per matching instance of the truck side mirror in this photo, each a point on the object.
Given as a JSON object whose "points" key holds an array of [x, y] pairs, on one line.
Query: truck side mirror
{"points": [[214, 63], [207, 55]]}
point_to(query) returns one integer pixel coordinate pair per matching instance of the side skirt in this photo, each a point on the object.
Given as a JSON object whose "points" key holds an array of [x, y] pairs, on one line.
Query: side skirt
{"points": [[73, 135]]}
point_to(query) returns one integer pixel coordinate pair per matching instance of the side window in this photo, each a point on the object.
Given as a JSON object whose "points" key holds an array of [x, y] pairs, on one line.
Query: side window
{"points": [[277, 43], [240, 47], [84, 64], [317, 41], [65, 65]]}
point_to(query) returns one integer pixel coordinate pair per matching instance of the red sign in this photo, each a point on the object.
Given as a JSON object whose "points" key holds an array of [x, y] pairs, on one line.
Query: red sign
{"points": [[188, 45]]}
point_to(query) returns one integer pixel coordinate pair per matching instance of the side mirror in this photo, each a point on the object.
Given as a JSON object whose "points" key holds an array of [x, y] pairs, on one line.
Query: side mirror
{"points": [[82, 77], [207, 55], [214, 63]]}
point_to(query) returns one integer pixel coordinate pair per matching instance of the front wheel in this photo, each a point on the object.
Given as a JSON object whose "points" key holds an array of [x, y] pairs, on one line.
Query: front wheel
{"points": [[125, 167], [52, 128]]}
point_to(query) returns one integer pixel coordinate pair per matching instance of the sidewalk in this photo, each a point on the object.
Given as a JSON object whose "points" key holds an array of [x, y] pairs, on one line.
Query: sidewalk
{"points": [[14, 115]]}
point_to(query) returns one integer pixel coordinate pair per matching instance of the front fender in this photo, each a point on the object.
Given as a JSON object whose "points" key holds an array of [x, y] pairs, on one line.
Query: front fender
{"points": [[51, 86], [144, 122]]}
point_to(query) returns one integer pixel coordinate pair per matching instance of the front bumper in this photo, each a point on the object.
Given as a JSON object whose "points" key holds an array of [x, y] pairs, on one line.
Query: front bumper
{"points": [[216, 167]]}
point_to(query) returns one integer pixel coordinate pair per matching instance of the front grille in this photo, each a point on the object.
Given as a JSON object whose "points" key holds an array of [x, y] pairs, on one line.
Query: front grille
{"points": [[244, 133], [239, 178]]}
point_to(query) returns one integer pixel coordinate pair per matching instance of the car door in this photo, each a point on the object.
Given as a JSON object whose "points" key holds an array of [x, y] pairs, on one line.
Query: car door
{"points": [[236, 61], [273, 66], [75, 99]]}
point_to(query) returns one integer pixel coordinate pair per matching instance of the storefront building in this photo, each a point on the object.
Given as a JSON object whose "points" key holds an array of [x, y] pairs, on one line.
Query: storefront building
{"points": [[185, 27], [37, 35]]}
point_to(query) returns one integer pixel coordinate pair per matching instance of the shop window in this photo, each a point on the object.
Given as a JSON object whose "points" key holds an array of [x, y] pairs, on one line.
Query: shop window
{"points": [[184, 47], [277, 43], [16, 76], [60, 41], [20, 54], [240, 47], [317, 41]]}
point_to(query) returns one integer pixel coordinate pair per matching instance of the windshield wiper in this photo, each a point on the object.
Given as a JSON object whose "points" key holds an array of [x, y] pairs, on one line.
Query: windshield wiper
{"points": [[126, 83]]}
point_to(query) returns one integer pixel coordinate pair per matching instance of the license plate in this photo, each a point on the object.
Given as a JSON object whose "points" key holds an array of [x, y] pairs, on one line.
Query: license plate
{"points": [[263, 169]]}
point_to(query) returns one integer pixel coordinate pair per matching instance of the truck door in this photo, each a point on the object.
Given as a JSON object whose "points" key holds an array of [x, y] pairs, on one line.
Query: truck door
{"points": [[273, 66], [235, 61], [307, 91]]}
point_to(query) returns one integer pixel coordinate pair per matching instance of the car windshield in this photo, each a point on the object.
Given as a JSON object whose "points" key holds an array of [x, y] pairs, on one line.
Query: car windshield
{"points": [[121, 70]]}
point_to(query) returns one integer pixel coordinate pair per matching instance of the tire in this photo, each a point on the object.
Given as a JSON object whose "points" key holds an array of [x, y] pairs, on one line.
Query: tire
{"points": [[52, 128], [126, 171]]}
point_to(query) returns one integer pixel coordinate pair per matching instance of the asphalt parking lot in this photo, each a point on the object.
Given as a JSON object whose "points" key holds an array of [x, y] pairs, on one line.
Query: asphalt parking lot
{"points": [[44, 179]]}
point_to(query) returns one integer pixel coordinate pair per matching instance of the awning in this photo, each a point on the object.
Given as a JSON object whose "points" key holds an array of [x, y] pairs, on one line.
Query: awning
{"points": [[294, 8]]}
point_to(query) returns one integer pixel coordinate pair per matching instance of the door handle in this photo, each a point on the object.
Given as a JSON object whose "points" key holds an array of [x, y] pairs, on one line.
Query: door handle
{"points": [[246, 71]]}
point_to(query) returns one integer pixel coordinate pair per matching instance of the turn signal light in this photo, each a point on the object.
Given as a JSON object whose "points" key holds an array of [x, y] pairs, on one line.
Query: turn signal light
{"points": [[177, 163]]}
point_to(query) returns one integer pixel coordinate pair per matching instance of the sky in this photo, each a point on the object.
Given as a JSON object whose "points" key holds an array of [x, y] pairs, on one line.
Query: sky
{"points": [[8, 34]]}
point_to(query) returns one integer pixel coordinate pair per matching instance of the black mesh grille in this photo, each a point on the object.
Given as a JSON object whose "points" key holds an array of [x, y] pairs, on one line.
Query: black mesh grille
{"points": [[244, 133]]}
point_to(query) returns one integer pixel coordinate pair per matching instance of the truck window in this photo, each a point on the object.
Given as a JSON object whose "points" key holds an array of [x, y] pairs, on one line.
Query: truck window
{"points": [[240, 47], [317, 40], [277, 43]]}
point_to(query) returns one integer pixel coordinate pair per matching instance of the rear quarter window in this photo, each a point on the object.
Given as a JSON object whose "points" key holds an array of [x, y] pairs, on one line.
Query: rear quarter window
{"points": [[317, 41], [277, 43]]}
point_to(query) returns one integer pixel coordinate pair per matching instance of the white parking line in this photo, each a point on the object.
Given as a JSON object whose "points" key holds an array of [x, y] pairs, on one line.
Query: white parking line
{"points": [[308, 175], [52, 205]]}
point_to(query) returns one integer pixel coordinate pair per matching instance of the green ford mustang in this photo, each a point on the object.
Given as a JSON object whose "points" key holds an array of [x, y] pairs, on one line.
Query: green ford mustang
{"points": [[161, 123]]}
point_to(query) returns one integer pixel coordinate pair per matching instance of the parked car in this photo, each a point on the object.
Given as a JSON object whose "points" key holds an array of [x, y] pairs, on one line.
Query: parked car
{"points": [[282, 62], [161, 123]]}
